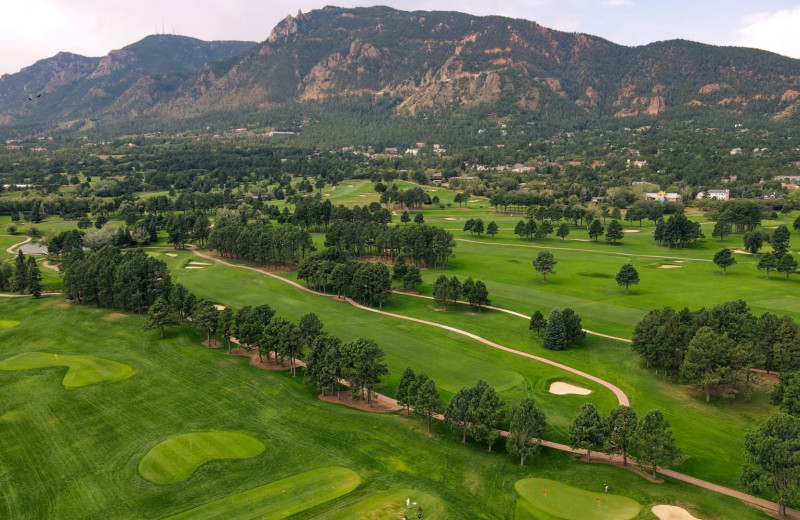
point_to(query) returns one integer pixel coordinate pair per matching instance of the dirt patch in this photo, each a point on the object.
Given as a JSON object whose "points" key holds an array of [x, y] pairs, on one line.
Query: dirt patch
{"points": [[631, 230], [212, 344], [361, 404], [114, 316], [667, 266], [219, 307], [562, 388], [173, 255], [267, 364], [665, 512]]}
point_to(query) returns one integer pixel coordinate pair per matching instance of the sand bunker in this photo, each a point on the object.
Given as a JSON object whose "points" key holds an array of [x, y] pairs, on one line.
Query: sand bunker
{"points": [[664, 512], [351, 186], [579, 240], [219, 307], [739, 251], [562, 388], [173, 255], [198, 263], [450, 218], [194, 267], [631, 230], [474, 200], [667, 266]]}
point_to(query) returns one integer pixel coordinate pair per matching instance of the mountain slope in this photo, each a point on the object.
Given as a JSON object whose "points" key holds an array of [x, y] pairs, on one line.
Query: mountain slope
{"points": [[423, 62], [119, 85]]}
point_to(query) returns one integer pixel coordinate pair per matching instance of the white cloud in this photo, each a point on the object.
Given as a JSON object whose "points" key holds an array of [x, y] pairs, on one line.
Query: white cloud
{"points": [[774, 31], [618, 3]]}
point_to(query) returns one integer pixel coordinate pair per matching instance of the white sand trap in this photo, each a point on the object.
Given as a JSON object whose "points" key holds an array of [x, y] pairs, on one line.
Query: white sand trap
{"points": [[474, 200], [363, 195], [561, 388], [664, 512], [351, 186], [667, 266], [198, 263], [579, 240], [173, 255], [450, 218], [194, 267], [631, 230], [739, 251], [219, 307], [326, 194]]}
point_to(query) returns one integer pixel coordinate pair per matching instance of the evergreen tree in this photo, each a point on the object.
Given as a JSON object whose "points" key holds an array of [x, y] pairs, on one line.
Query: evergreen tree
{"points": [[544, 263], [20, 272], [614, 231], [595, 229], [427, 401], [627, 275], [492, 229], [780, 241], [563, 231], [587, 431], [621, 426], [412, 278], [205, 317], [486, 413], [226, 325], [159, 315], [457, 412], [786, 264], [555, 336], [537, 322], [653, 442], [526, 431], [403, 387], [724, 259], [572, 326], [767, 263], [34, 278]]}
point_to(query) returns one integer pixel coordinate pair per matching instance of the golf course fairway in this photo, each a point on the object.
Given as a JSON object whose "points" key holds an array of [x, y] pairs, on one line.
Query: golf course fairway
{"points": [[176, 458], [569, 503], [83, 370], [280, 499], [7, 324], [389, 505]]}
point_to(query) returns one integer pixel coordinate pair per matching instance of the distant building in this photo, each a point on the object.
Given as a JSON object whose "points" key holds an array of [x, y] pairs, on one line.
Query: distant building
{"points": [[412, 151], [771, 195], [736, 151], [715, 194], [790, 178], [662, 196], [637, 164]]}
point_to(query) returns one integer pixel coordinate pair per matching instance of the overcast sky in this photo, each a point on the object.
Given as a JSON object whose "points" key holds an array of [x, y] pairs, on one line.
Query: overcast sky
{"points": [[31, 30]]}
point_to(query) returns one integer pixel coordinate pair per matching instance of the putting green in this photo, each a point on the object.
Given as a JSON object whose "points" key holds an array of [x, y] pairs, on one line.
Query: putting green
{"points": [[280, 499], [390, 505], [7, 324], [176, 458], [83, 370], [569, 503]]}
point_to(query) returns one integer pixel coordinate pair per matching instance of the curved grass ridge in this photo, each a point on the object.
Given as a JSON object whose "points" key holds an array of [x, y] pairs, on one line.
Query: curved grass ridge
{"points": [[176, 458], [83, 370], [570, 503], [279, 499]]}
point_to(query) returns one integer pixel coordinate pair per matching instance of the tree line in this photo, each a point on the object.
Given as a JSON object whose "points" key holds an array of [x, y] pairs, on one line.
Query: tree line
{"points": [[717, 347], [22, 276]]}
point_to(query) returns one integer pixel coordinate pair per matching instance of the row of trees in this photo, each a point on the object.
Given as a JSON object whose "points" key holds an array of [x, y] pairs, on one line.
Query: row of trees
{"points": [[561, 329], [129, 280], [260, 243], [23, 276], [430, 246], [717, 347], [449, 290], [367, 282]]}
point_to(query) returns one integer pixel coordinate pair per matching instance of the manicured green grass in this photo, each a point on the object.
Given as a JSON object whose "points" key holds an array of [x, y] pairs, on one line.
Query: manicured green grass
{"points": [[176, 458], [570, 503], [76, 454], [83, 370], [7, 324], [390, 505], [280, 499]]}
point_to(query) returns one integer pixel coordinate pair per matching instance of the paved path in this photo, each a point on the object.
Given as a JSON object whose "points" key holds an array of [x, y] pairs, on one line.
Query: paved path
{"points": [[770, 507], [515, 313], [11, 249], [5, 295], [621, 397]]}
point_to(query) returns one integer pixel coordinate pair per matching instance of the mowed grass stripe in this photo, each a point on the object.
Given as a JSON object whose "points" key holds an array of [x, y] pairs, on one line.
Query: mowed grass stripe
{"points": [[176, 458], [389, 504], [280, 499], [570, 503], [83, 370]]}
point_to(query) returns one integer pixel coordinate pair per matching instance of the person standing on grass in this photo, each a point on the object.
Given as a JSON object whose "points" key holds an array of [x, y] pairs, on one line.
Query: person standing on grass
{"points": [[419, 512]]}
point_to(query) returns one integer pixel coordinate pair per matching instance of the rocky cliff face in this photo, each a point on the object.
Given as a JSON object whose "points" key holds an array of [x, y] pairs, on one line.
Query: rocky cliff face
{"points": [[423, 61]]}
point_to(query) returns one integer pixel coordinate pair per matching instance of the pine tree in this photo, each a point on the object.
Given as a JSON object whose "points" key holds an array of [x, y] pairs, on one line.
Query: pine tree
{"points": [[555, 336], [627, 275], [528, 427], [614, 231], [621, 426], [34, 278], [159, 315], [587, 430], [653, 442], [20, 272], [403, 387], [537, 322]]}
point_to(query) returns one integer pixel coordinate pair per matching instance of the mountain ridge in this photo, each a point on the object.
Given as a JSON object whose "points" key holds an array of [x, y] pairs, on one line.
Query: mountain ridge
{"points": [[425, 61]]}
